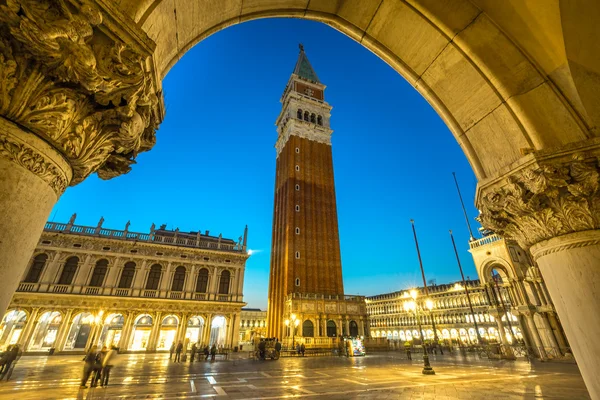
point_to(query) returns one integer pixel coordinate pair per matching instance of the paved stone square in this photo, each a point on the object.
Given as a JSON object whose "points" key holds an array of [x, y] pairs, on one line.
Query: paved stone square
{"points": [[377, 376]]}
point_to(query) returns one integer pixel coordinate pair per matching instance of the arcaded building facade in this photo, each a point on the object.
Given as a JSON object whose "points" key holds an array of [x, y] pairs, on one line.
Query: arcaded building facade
{"points": [[138, 291], [510, 301], [305, 283]]}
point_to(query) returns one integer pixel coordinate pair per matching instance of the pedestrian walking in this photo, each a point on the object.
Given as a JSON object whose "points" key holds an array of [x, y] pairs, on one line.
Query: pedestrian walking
{"points": [[98, 366], [213, 352], [277, 347], [4, 358], [206, 353], [302, 349], [171, 351], [12, 355], [88, 366], [193, 353], [298, 349], [262, 347], [178, 350], [108, 362], [408, 353]]}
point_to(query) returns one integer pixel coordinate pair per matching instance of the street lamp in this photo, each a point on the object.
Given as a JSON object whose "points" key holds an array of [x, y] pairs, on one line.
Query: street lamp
{"points": [[96, 321], [292, 324], [412, 306]]}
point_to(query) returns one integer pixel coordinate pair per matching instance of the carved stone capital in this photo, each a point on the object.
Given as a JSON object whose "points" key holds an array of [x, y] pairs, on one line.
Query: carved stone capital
{"points": [[35, 155], [75, 75], [547, 196]]}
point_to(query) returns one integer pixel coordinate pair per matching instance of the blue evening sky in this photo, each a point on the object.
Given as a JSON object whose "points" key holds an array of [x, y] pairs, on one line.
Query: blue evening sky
{"points": [[213, 166]]}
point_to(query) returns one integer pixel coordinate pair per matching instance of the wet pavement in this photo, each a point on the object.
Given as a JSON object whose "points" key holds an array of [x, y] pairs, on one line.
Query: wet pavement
{"points": [[377, 376]]}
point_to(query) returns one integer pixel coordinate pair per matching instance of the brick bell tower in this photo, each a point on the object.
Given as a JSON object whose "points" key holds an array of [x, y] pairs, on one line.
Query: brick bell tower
{"points": [[305, 252]]}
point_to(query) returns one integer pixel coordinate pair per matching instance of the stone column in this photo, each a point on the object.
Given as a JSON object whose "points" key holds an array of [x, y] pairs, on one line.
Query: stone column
{"points": [[29, 328], [181, 329], [240, 286], [207, 328], [318, 326], [139, 278], [126, 332], [550, 204], [112, 276], [33, 175], [70, 105], [550, 332], [156, 324], [556, 328], [49, 274], [235, 330], [535, 334], [63, 331]]}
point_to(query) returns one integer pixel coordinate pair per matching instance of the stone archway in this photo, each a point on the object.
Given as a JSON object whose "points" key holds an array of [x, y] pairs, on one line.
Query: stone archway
{"points": [[521, 104]]}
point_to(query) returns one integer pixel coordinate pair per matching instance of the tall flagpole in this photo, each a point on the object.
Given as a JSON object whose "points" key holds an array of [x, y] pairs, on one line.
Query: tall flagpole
{"points": [[466, 289], [471, 238], [435, 335]]}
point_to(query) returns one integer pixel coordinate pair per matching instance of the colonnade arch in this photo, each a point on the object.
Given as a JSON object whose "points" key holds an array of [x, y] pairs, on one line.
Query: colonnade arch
{"points": [[521, 105]]}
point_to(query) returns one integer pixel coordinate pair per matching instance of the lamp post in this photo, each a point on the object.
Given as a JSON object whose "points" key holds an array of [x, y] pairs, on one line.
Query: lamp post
{"points": [[479, 340], [292, 323], [414, 307], [435, 335]]}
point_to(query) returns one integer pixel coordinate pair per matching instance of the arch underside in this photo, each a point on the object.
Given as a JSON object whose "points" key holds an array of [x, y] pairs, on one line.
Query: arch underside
{"points": [[503, 88]]}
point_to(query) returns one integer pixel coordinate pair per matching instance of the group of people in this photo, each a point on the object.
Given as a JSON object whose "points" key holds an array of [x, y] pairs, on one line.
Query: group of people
{"points": [[98, 365], [206, 350], [269, 347], [7, 360]]}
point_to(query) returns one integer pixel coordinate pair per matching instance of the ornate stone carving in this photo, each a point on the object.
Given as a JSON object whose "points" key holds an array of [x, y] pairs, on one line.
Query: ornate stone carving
{"points": [[68, 79], [545, 200], [30, 159]]}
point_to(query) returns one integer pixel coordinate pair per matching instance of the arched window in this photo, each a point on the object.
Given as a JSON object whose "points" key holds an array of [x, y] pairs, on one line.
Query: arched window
{"points": [[306, 115], [308, 329], [202, 282], [331, 329], [154, 277], [99, 273], [39, 262], [319, 120], [313, 118], [127, 275], [68, 272], [224, 282], [178, 279], [299, 114]]}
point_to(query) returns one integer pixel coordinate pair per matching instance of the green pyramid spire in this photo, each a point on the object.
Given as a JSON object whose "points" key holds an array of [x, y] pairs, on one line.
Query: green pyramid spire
{"points": [[303, 68]]}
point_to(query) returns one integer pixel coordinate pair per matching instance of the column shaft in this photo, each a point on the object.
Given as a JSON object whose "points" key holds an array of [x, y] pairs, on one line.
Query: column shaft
{"points": [[32, 177], [569, 265]]}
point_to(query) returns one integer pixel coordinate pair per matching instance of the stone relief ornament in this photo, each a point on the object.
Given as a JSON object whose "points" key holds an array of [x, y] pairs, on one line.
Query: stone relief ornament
{"points": [[545, 201], [28, 158], [67, 79]]}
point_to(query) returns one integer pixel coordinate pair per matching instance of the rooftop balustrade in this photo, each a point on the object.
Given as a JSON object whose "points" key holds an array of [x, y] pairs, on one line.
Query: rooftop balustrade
{"points": [[173, 238], [484, 240]]}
